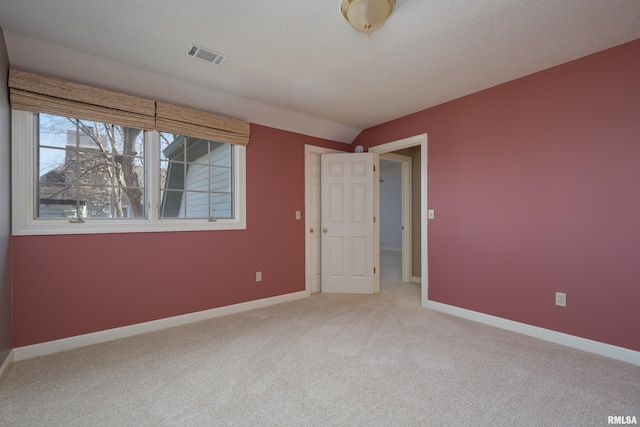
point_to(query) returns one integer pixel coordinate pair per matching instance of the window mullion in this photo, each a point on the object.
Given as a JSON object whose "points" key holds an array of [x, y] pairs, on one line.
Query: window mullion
{"points": [[184, 177], [152, 175], [76, 172]]}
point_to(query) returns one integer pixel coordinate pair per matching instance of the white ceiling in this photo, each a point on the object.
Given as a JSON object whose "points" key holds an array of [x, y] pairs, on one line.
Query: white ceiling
{"points": [[303, 58]]}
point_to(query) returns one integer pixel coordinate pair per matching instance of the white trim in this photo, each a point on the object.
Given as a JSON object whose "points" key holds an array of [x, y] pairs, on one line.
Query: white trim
{"points": [[8, 361], [422, 141], [596, 347], [23, 158], [50, 347], [308, 208], [376, 224], [416, 279]]}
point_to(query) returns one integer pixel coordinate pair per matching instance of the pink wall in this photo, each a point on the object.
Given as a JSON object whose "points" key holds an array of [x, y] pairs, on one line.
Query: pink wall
{"points": [[536, 187], [70, 285]]}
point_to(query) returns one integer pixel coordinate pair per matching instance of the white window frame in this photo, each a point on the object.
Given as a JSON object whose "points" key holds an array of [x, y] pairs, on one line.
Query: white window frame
{"points": [[23, 165]]}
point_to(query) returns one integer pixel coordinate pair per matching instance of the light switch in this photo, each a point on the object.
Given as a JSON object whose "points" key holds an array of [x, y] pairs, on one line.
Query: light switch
{"points": [[431, 213], [297, 214]]}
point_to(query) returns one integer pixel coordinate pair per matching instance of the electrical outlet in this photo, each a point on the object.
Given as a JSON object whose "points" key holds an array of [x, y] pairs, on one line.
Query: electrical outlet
{"points": [[561, 299], [258, 276]]}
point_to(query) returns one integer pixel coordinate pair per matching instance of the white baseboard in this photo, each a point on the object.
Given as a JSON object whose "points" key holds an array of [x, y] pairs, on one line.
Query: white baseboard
{"points": [[8, 361], [596, 347], [416, 279], [50, 347]]}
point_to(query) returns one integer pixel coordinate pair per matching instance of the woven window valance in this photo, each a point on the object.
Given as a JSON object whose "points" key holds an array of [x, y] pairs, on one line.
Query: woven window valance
{"points": [[51, 95], [44, 94], [185, 121]]}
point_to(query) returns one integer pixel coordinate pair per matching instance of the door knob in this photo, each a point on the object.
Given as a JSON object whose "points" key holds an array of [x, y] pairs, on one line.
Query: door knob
{"points": [[311, 230], [324, 230]]}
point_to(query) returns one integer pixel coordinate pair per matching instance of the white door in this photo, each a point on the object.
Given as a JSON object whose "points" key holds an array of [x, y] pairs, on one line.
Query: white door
{"points": [[348, 198]]}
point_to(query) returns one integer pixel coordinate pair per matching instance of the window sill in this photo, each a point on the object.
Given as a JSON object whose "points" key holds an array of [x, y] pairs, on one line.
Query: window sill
{"points": [[57, 227]]}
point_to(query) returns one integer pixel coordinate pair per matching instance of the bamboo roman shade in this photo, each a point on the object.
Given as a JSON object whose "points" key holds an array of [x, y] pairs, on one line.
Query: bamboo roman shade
{"points": [[185, 121], [44, 94]]}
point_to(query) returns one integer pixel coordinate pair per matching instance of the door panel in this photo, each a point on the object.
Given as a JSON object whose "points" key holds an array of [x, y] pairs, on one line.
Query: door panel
{"points": [[359, 207], [348, 227], [360, 256], [336, 205], [336, 247]]}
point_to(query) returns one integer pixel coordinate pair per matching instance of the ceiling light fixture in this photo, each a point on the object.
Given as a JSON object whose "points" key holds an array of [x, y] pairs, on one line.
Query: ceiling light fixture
{"points": [[366, 15]]}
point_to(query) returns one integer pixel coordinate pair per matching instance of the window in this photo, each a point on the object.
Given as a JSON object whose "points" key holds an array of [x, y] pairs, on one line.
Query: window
{"points": [[90, 160], [89, 170], [79, 176], [196, 178]]}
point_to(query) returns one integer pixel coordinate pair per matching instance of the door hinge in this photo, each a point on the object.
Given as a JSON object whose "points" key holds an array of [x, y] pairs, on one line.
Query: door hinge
{"points": [[374, 219], [374, 270], [374, 168]]}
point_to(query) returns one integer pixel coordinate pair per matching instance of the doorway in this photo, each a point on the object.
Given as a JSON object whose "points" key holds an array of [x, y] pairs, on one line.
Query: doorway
{"points": [[420, 266], [312, 211], [395, 211]]}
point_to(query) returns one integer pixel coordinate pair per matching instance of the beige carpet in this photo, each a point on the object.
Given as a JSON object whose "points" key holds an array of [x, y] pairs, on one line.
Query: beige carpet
{"points": [[378, 360]]}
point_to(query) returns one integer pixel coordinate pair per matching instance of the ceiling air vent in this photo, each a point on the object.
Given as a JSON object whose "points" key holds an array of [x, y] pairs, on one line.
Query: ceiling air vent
{"points": [[206, 55]]}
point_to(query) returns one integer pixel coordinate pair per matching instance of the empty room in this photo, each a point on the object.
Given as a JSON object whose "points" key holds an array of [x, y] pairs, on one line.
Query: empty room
{"points": [[344, 212]]}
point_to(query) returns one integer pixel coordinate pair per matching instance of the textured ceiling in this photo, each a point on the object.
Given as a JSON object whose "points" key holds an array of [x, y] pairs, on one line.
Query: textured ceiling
{"points": [[302, 56]]}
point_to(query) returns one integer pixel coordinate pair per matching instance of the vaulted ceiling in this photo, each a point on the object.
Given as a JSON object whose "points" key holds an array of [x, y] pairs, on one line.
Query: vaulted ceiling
{"points": [[302, 57]]}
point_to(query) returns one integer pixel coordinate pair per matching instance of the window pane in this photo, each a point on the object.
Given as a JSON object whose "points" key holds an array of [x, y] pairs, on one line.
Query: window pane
{"points": [[171, 147], [56, 131], [194, 205], [53, 165], [197, 150], [221, 205], [94, 169], [100, 165], [99, 201], [221, 179], [174, 175], [171, 203], [58, 200], [197, 177], [221, 154], [132, 201]]}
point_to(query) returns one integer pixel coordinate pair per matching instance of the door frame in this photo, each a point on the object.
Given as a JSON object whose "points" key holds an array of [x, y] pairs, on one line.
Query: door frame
{"points": [[413, 141], [309, 150], [405, 174]]}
